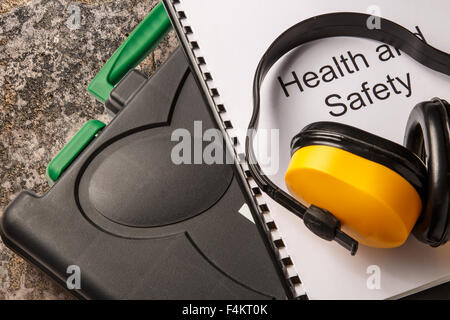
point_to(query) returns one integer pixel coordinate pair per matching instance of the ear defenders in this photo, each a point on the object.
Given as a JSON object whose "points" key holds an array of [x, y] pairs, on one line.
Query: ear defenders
{"points": [[376, 190]]}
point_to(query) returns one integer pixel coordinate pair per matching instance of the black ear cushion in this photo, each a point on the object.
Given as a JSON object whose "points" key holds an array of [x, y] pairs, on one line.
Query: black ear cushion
{"points": [[366, 145], [427, 135]]}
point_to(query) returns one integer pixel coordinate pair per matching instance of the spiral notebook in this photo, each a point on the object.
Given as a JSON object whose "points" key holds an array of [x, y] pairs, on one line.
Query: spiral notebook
{"points": [[224, 41]]}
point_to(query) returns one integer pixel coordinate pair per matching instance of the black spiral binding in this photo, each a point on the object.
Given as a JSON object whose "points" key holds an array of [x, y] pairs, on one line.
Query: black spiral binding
{"points": [[270, 226]]}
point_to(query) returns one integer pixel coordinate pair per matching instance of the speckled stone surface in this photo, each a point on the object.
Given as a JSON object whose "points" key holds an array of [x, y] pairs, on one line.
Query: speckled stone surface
{"points": [[45, 68]]}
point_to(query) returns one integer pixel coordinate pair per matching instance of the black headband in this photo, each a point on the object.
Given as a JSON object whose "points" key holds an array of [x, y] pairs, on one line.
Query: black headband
{"points": [[325, 26]]}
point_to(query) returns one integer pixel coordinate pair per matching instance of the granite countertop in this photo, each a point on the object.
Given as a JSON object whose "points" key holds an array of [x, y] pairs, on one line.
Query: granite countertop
{"points": [[45, 68]]}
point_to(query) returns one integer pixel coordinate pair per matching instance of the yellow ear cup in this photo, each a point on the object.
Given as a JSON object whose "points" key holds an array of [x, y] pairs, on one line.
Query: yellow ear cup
{"points": [[375, 204]]}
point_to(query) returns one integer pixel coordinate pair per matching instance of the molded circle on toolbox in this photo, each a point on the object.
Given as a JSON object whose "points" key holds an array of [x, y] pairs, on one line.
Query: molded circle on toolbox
{"points": [[135, 183]]}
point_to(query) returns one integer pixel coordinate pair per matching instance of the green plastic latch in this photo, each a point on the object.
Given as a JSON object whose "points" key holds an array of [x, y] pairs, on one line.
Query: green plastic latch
{"points": [[133, 50], [65, 157]]}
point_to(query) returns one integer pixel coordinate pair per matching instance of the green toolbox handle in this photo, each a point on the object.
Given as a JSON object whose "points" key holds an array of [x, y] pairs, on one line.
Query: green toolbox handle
{"points": [[65, 157], [144, 39]]}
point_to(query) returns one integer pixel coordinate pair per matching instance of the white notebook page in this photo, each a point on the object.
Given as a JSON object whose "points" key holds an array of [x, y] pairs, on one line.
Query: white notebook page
{"points": [[233, 35]]}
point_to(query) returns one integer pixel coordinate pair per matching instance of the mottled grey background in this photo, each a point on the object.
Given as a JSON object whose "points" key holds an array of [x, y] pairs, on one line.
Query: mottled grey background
{"points": [[44, 71]]}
